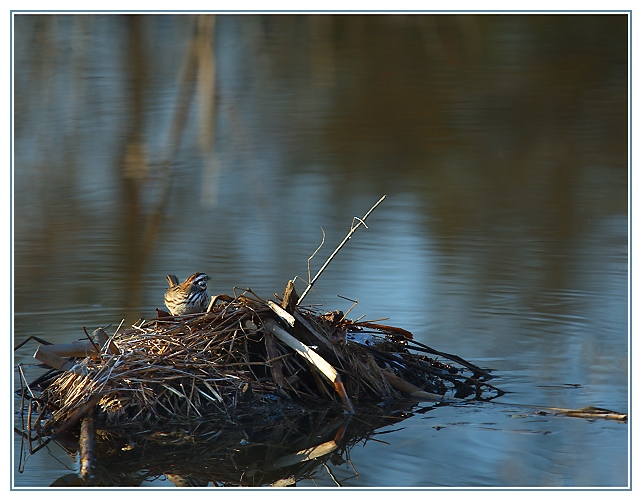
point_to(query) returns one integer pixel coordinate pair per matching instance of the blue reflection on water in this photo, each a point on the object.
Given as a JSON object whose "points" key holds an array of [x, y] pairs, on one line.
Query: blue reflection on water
{"points": [[503, 239]]}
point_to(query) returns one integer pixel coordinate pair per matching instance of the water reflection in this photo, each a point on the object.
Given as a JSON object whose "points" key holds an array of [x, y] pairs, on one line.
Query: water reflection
{"points": [[148, 145], [279, 450]]}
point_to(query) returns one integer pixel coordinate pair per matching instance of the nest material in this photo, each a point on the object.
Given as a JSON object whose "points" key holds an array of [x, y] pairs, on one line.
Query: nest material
{"points": [[229, 364]]}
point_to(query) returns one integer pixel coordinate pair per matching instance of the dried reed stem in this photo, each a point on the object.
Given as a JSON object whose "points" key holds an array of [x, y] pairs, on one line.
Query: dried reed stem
{"points": [[340, 246]]}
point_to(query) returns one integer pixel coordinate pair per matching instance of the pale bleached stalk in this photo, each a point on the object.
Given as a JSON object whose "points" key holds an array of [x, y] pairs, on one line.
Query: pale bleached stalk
{"points": [[361, 221]]}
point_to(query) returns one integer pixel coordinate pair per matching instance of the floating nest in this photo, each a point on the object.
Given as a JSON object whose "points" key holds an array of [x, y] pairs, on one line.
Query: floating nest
{"points": [[245, 357]]}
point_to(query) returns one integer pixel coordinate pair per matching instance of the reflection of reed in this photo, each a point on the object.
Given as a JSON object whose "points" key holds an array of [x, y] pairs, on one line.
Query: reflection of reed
{"points": [[322, 53], [465, 123], [206, 100], [142, 225], [132, 168]]}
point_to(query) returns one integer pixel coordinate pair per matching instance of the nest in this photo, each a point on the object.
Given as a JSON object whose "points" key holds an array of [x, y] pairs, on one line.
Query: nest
{"points": [[243, 358]]}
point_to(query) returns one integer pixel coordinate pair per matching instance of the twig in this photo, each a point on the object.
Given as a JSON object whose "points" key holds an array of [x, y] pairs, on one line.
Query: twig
{"points": [[305, 351], [324, 340], [304, 455], [87, 446], [315, 359], [96, 347], [36, 338], [585, 412], [119, 326], [354, 302], [79, 413], [283, 315], [409, 389], [336, 251], [315, 252]]}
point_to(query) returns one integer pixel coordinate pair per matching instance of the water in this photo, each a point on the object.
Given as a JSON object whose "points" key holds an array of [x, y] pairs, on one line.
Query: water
{"points": [[500, 142]]}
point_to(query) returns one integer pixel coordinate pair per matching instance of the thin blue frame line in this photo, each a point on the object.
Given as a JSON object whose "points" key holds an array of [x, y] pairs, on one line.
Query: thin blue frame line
{"points": [[592, 11]]}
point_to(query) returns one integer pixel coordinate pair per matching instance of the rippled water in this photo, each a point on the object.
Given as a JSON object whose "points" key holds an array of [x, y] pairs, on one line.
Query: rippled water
{"points": [[500, 142]]}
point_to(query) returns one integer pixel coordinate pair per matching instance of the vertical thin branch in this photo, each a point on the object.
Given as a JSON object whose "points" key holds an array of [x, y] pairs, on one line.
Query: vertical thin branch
{"points": [[336, 251], [315, 252]]}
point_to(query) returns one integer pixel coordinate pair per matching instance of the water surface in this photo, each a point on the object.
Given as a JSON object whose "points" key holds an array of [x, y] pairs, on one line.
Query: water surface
{"points": [[148, 145]]}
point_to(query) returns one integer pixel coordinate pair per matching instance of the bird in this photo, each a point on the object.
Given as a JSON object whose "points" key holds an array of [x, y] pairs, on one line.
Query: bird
{"points": [[189, 297]]}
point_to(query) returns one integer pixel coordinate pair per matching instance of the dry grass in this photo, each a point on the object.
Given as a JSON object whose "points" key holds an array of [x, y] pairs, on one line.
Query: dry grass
{"points": [[226, 364]]}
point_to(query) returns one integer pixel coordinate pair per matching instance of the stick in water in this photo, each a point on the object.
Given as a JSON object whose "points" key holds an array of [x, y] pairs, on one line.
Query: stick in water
{"points": [[345, 240]]}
